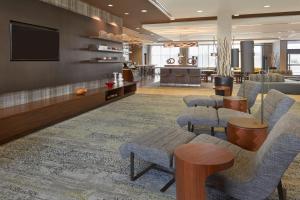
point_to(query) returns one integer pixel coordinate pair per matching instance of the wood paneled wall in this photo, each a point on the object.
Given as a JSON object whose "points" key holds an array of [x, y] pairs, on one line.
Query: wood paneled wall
{"points": [[18, 76]]}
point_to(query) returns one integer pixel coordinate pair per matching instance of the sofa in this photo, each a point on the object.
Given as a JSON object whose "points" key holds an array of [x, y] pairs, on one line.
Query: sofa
{"points": [[277, 82]]}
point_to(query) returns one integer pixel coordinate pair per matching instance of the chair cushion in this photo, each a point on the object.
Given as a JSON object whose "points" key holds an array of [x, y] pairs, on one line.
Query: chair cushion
{"points": [[218, 99], [226, 114], [157, 146], [198, 100], [276, 104], [198, 116], [250, 90]]}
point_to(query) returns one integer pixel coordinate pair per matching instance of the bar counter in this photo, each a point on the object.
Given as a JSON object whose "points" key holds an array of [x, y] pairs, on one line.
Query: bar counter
{"points": [[179, 74]]}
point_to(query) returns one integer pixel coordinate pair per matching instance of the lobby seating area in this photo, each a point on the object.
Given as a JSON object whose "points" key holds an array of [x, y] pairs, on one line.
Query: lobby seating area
{"points": [[149, 100], [252, 174]]}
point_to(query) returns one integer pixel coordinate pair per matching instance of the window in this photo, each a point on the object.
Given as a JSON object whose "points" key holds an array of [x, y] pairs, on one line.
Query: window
{"points": [[293, 44], [160, 55], [294, 63], [203, 52], [258, 57], [294, 57]]}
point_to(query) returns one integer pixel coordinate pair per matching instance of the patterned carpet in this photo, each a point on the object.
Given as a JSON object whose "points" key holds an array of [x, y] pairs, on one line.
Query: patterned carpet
{"points": [[79, 160]]}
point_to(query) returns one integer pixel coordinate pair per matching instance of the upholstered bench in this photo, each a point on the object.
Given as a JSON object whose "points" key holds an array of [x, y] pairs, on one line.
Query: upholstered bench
{"points": [[156, 147], [198, 116], [197, 100]]}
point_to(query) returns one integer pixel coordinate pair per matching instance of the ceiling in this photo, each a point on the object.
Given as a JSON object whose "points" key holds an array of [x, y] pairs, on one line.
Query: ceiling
{"points": [[135, 17], [189, 24], [266, 28], [189, 8]]}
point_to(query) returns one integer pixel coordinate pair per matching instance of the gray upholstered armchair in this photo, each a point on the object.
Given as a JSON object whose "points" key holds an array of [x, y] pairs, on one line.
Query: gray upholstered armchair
{"points": [[255, 175], [276, 104], [248, 89]]}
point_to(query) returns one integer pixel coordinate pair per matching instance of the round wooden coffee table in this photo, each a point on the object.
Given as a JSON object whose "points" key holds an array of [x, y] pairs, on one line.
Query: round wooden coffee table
{"points": [[236, 103], [194, 163], [248, 133]]}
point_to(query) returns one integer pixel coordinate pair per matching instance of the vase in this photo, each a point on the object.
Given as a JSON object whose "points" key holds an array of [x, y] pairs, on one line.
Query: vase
{"points": [[223, 81]]}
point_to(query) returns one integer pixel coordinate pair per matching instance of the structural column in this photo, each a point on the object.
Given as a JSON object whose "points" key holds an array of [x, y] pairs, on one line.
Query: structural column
{"points": [[224, 35]]}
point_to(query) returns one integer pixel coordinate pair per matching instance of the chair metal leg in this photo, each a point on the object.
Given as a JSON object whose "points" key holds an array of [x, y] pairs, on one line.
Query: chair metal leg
{"points": [[133, 177], [212, 131], [249, 111], [189, 126], [192, 128], [281, 191], [163, 189]]}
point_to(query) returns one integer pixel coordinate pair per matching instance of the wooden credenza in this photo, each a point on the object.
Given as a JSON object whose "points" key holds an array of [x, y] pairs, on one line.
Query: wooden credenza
{"points": [[20, 120]]}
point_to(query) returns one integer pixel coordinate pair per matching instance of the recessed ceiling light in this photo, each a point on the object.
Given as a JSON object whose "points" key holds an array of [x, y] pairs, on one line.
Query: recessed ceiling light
{"points": [[172, 18], [144, 11], [267, 6], [199, 11], [137, 28], [126, 13], [96, 18], [113, 24], [236, 15], [110, 5]]}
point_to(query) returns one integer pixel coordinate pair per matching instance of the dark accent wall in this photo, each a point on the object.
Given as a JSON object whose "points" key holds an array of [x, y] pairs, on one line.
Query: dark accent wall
{"points": [[26, 75]]}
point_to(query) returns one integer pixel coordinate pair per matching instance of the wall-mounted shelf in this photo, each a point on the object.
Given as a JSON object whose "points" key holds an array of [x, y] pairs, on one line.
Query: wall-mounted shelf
{"points": [[105, 39], [101, 61], [111, 51], [23, 119]]}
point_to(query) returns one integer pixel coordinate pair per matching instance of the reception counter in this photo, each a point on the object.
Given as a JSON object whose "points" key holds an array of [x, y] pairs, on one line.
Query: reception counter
{"points": [[187, 75]]}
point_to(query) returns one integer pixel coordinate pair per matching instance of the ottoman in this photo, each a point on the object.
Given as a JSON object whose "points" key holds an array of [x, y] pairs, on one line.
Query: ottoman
{"points": [[197, 100], [199, 116], [156, 147]]}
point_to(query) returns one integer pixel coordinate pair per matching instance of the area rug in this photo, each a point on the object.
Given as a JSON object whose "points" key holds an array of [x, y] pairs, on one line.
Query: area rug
{"points": [[79, 159]]}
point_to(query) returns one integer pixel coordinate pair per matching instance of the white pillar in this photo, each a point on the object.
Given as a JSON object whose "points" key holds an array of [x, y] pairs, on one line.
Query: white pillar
{"points": [[224, 38]]}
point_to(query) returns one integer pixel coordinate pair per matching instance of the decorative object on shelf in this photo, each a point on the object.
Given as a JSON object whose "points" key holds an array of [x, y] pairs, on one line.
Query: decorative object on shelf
{"points": [[95, 47], [109, 84], [115, 76], [104, 38], [120, 77], [81, 91], [181, 60], [224, 68], [107, 58], [192, 61], [171, 61]]}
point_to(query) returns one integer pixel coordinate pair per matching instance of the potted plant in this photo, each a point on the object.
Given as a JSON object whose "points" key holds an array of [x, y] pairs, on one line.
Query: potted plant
{"points": [[224, 77]]}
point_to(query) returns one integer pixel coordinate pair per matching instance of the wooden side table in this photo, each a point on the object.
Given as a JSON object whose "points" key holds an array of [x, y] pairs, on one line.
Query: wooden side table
{"points": [[236, 103], [247, 133], [194, 163], [225, 90]]}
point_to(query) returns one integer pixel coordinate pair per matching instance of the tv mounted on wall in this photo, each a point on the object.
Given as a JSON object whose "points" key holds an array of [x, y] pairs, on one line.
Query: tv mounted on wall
{"points": [[33, 43]]}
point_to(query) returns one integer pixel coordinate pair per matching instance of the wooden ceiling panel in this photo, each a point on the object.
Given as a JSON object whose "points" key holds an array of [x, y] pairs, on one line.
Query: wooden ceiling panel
{"points": [[136, 18]]}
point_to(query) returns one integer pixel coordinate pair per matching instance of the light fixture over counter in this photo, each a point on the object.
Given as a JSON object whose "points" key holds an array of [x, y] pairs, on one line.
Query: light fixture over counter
{"points": [[181, 44]]}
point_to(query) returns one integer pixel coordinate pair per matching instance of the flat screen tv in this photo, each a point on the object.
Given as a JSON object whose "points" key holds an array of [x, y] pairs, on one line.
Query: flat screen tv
{"points": [[33, 43]]}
